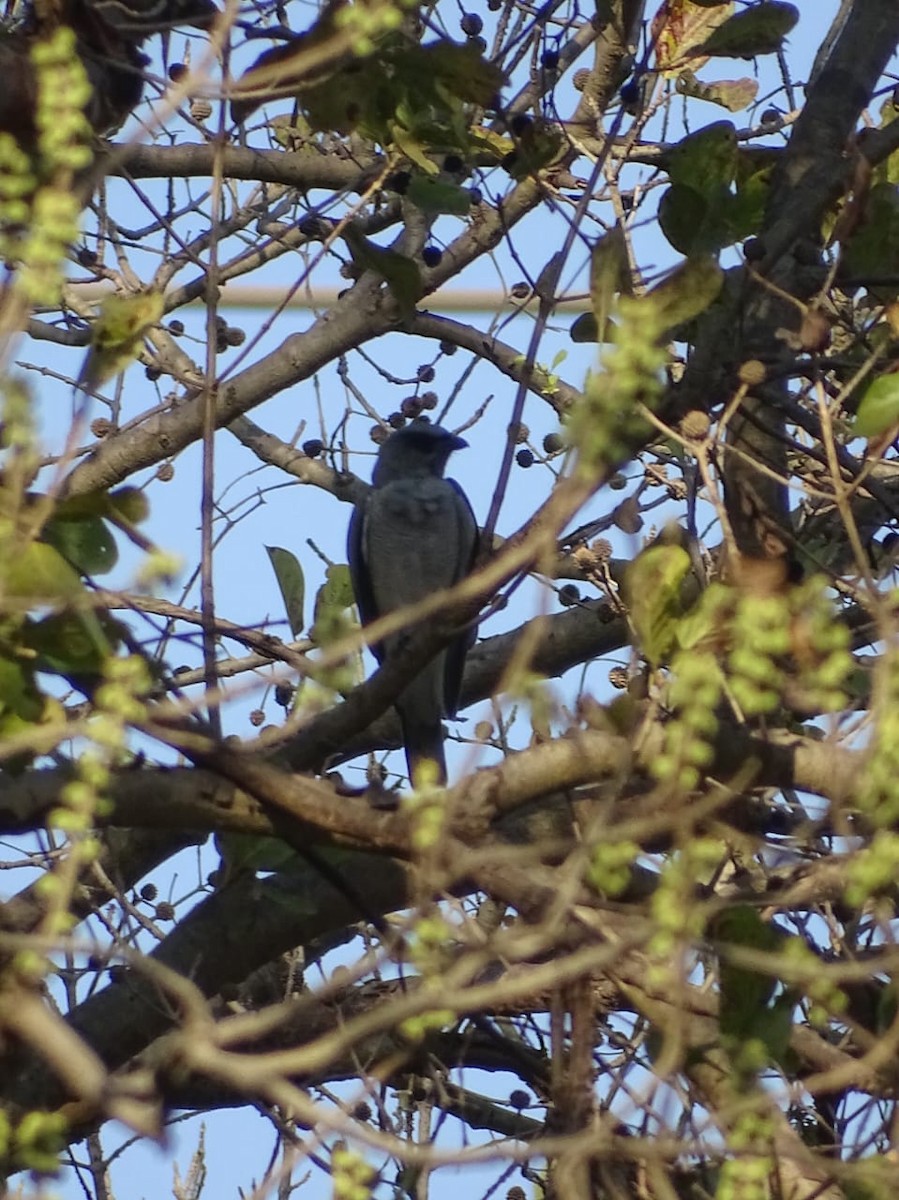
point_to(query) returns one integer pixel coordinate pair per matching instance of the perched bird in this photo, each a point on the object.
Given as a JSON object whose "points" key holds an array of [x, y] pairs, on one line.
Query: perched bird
{"points": [[109, 34], [413, 534]]}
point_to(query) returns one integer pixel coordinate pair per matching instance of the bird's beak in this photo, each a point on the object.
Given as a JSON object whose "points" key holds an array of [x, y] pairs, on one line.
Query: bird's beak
{"points": [[458, 443]]}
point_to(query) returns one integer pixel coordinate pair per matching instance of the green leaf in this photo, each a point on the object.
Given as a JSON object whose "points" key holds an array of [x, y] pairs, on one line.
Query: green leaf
{"points": [[757, 30], [87, 544], [247, 852], [75, 645], [652, 589], [435, 196], [706, 160], [129, 504], [610, 275], [584, 329], [537, 146], [687, 291], [18, 694], [746, 210], [878, 410], [401, 274], [692, 223], [872, 249], [292, 584], [459, 69], [746, 994]]}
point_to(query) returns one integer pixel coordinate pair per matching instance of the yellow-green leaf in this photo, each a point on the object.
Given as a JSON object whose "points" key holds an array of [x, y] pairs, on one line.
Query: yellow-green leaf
{"points": [[732, 94], [118, 333], [39, 573], [652, 589], [879, 407], [332, 600]]}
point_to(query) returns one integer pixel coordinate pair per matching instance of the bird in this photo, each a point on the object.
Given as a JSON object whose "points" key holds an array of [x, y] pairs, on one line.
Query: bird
{"points": [[413, 534]]}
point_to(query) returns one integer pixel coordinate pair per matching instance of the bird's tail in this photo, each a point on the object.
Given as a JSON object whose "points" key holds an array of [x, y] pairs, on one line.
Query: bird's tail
{"points": [[425, 759]]}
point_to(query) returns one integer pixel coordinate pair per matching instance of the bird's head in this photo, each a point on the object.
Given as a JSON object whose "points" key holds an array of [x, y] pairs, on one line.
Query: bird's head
{"points": [[418, 449]]}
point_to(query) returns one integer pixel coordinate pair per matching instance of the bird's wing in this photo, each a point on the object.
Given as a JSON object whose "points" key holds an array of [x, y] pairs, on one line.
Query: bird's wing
{"points": [[467, 539], [360, 573]]}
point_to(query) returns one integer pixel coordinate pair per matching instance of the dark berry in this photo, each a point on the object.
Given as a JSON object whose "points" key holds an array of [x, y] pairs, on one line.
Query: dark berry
{"points": [[153, 373], [553, 443], [471, 24], [569, 595], [165, 911], [235, 336], [453, 164], [313, 448], [477, 43], [398, 182], [520, 291], [519, 1099], [284, 693], [149, 891], [771, 117], [100, 426], [520, 124], [448, 348], [425, 373], [165, 472], [524, 457], [474, 196], [431, 256], [630, 95], [178, 71], [257, 716], [411, 408], [753, 249], [549, 60], [176, 328], [428, 400], [310, 227], [87, 258], [396, 420]]}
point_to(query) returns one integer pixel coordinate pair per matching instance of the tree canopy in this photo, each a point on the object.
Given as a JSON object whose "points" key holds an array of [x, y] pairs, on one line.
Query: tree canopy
{"points": [[642, 944]]}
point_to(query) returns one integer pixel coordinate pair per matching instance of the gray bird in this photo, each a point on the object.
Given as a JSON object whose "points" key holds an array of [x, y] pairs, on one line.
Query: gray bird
{"points": [[413, 534]]}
